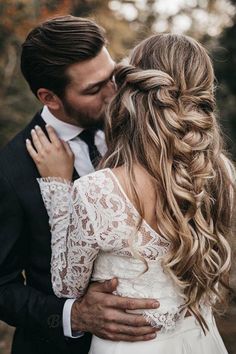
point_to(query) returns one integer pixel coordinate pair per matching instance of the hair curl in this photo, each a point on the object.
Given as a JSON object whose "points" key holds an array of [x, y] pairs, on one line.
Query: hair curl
{"points": [[162, 118]]}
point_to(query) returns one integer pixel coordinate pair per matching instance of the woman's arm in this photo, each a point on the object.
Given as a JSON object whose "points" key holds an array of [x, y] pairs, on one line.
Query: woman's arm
{"points": [[74, 246]]}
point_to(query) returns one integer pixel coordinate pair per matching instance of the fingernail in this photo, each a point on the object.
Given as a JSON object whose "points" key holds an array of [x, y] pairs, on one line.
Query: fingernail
{"points": [[27, 141], [37, 127], [32, 131], [153, 335], [112, 282], [155, 304]]}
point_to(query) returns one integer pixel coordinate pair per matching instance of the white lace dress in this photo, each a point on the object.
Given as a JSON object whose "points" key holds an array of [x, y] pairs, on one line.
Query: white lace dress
{"points": [[93, 226]]}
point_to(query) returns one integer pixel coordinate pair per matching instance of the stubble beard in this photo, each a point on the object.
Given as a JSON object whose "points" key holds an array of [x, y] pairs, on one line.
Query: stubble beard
{"points": [[82, 119]]}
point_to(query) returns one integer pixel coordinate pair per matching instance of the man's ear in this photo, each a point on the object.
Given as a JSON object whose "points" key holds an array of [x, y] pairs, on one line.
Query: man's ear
{"points": [[48, 98]]}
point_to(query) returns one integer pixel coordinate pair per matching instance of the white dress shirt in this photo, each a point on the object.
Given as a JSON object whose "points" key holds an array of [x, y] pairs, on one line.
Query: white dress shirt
{"points": [[69, 133], [83, 166]]}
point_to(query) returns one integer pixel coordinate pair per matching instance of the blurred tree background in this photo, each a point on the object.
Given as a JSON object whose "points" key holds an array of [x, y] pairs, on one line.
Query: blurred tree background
{"points": [[213, 22]]}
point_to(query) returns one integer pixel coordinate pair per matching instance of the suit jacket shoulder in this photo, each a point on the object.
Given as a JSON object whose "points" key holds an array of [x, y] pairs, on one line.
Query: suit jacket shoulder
{"points": [[14, 158]]}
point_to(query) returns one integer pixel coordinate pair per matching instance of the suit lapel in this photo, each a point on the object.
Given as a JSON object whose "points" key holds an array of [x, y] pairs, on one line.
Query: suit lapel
{"points": [[75, 175]]}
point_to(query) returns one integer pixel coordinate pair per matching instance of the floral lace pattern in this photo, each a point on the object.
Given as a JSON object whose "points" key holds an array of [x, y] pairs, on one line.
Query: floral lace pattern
{"points": [[93, 226]]}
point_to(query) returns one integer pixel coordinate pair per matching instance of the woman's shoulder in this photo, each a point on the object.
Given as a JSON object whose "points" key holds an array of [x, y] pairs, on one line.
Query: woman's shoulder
{"points": [[96, 183], [94, 177]]}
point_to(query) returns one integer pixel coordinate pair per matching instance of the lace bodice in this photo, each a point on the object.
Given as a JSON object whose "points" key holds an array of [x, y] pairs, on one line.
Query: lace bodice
{"points": [[93, 226]]}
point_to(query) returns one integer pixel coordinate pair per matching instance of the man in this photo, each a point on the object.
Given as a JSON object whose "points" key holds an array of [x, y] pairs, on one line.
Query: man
{"points": [[69, 69]]}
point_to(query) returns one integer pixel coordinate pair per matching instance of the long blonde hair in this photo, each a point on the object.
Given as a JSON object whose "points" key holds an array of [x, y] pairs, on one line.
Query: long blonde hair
{"points": [[162, 118]]}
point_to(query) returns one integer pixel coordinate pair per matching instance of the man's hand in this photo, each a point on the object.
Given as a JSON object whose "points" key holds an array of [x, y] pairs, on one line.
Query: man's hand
{"points": [[104, 314]]}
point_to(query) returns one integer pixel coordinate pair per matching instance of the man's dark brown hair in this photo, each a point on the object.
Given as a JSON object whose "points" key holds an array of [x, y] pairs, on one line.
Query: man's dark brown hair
{"points": [[56, 44]]}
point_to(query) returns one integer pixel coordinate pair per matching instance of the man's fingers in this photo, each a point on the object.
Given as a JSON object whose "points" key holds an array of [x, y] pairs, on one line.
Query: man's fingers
{"points": [[118, 302], [120, 317], [128, 338], [126, 303], [131, 331], [107, 286], [31, 150]]}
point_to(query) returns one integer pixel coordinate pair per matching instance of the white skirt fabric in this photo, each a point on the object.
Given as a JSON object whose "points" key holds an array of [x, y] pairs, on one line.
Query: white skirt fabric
{"points": [[188, 338]]}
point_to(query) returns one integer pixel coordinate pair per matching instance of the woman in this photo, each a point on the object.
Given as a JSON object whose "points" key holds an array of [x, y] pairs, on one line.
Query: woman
{"points": [[157, 215]]}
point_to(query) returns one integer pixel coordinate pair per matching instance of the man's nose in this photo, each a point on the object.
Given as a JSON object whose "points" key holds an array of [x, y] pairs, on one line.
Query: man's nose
{"points": [[109, 91]]}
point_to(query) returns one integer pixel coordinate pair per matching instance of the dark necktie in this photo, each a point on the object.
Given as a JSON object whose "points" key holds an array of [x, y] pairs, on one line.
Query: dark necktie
{"points": [[88, 137]]}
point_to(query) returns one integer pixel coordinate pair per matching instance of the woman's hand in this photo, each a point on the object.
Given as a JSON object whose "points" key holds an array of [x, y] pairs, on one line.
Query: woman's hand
{"points": [[53, 157]]}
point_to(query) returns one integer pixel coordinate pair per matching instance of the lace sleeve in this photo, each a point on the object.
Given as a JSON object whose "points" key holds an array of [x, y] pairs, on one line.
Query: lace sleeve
{"points": [[74, 246]]}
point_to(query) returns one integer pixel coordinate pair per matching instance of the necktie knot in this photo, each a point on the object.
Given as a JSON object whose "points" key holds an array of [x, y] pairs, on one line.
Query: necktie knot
{"points": [[88, 136]]}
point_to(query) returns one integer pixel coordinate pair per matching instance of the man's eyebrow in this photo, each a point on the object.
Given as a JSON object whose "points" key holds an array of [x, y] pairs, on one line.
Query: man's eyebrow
{"points": [[98, 83]]}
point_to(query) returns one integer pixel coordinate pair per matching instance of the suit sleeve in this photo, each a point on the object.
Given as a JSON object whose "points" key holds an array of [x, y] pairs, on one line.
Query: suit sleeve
{"points": [[21, 305]]}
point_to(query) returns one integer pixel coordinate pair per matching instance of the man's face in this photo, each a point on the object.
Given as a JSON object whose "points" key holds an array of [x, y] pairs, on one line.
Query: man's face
{"points": [[90, 89]]}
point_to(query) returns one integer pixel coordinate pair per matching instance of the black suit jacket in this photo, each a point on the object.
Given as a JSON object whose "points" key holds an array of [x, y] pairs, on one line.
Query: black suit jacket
{"points": [[26, 297]]}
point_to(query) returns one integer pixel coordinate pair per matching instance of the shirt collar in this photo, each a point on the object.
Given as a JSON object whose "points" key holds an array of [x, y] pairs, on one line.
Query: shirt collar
{"points": [[64, 130]]}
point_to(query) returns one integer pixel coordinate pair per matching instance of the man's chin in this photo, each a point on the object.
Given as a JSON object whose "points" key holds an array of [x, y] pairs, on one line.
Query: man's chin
{"points": [[99, 124], [88, 122], [94, 123]]}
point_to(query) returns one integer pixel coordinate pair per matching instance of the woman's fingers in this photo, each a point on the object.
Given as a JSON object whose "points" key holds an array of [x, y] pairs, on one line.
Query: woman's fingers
{"points": [[67, 148], [31, 150], [52, 156], [43, 139], [36, 141], [53, 136], [43, 143]]}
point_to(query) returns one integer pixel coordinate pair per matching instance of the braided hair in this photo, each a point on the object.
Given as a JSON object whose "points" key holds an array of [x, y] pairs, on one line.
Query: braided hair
{"points": [[163, 117]]}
